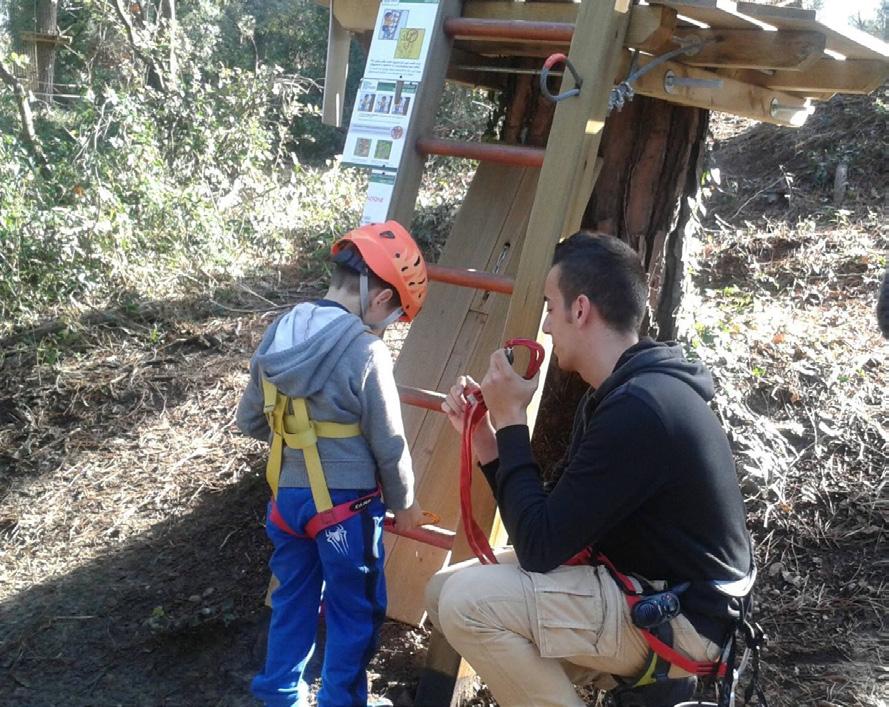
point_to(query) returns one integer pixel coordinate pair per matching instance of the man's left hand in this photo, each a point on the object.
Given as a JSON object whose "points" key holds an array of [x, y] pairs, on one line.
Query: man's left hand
{"points": [[506, 393]]}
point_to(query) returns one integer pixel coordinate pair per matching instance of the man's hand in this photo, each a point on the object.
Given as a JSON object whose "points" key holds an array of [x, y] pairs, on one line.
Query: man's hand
{"points": [[409, 518], [506, 393], [484, 444]]}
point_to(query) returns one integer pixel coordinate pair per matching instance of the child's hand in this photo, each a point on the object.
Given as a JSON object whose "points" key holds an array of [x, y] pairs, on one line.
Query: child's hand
{"points": [[411, 517]]}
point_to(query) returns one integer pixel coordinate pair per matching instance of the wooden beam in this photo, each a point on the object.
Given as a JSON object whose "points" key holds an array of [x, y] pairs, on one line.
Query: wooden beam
{"points": [[731, 96], [723, 14], [521, 11], [354, 15], [825, 76], [410, 170], [571, 154], [335, 70], [753, 49], [851, 43]]}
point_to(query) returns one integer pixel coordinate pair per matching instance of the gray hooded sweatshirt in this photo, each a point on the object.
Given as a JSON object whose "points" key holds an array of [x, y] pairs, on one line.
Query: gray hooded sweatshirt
{"points": [[328, 356]]}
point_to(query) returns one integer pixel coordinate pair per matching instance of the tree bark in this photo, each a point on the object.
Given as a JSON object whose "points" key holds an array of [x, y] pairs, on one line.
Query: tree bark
{"points": [[646, 196]]}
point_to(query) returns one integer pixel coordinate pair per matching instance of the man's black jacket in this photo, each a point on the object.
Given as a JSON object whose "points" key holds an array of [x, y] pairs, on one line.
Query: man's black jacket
{"points": [[648, 480]]}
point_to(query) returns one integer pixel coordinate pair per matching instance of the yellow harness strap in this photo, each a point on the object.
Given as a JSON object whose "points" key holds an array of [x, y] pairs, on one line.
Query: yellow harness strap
{"points": [[291, 425]]}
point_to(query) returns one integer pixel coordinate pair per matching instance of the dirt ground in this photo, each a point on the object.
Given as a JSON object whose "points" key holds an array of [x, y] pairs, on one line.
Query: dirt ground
{"points": [[132, 563]]}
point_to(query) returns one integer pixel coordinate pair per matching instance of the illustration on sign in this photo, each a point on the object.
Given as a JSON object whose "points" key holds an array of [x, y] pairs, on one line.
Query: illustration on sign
{"points": [[401, 40], [379, 124]]}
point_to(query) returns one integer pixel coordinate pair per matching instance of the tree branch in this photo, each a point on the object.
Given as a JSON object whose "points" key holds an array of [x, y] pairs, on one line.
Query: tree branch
{"points": [[29, 134], [155, 74]]}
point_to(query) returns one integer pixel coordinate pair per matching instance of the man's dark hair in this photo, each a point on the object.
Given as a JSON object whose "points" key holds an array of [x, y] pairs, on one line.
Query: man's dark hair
{"points": [[608, 272], [883, 305]]}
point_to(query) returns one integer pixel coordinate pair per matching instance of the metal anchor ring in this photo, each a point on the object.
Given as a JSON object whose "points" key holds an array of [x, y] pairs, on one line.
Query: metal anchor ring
{"points": [[550, 62]]}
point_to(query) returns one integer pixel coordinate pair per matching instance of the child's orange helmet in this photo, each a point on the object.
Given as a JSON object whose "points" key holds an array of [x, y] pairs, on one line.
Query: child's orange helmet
{"points": [[393, 256]]}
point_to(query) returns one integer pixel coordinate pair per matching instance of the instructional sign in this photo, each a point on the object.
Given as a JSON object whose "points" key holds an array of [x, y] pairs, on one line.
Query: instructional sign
{"points": [[379, 194], [379, 124], [401, 39]]}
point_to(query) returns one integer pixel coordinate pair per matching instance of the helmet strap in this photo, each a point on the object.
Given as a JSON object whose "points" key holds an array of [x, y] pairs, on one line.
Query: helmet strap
{"points": [[362, 292], [363, 301]]}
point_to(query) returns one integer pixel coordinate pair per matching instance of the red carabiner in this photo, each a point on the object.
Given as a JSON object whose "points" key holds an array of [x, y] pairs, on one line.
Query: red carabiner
{"points": [[534, 348]]}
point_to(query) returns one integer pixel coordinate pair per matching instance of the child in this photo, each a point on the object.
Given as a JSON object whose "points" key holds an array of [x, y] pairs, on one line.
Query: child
{"points": [[322, 392]]}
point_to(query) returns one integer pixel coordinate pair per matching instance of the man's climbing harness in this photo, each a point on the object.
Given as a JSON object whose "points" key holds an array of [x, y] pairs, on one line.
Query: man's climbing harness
{"points": [[651, 610], [473, 414]]}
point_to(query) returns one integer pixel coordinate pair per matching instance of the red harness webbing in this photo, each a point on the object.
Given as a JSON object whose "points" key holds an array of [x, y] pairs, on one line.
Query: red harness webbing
{"points": [[700, 668], [332, 516]]}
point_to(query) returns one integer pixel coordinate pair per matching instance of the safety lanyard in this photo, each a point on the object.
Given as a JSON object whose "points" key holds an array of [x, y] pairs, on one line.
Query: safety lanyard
{"points": [[475, 412]]}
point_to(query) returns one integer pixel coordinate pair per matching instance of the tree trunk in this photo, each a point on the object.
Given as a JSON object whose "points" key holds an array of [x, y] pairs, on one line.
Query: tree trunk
{"points": [[47, 12], [646, 196], [168, 10]]}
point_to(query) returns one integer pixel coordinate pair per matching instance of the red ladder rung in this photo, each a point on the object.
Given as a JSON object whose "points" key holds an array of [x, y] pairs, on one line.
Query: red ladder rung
{"points": [[418, 397], [522, 30], [515, 155], [464, 277], [428, 534]]}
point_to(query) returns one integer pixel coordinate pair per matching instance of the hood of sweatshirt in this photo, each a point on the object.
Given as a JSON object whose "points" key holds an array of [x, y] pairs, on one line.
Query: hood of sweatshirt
{"points": [[660, 357], [301, 349]]}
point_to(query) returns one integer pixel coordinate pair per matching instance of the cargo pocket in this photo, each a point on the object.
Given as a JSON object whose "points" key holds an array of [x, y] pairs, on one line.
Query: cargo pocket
{"points": [[577, 614]]}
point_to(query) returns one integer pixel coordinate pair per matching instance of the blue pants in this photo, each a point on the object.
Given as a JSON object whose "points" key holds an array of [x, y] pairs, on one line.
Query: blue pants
{"points": [[344, 564]]}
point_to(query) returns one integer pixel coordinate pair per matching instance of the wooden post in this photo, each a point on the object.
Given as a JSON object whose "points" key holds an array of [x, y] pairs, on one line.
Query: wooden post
{"points": [[569, 167], [410, 171], [335, 71]]}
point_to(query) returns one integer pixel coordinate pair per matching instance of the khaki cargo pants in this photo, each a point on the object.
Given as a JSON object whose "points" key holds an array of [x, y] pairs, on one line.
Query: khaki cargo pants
{"points": [[531, 637]]}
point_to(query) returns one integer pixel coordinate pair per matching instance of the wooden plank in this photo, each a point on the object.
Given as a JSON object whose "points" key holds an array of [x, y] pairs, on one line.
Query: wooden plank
{"points": [[753, 49], [410, 170], [732, 97], [721, 14], [850, 42], [521, 11], [575, 135], [355, 15], [826, 76], [335, 71], [459, 327]]}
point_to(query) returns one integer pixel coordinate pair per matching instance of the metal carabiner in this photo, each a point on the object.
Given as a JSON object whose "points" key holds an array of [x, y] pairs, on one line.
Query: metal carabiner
{"points": [[550, 62]]}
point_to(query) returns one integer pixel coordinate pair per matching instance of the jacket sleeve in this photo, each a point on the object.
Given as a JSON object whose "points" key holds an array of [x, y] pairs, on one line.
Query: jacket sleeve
{"points": [[250, 417], [383, 428], [616, 467]]}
